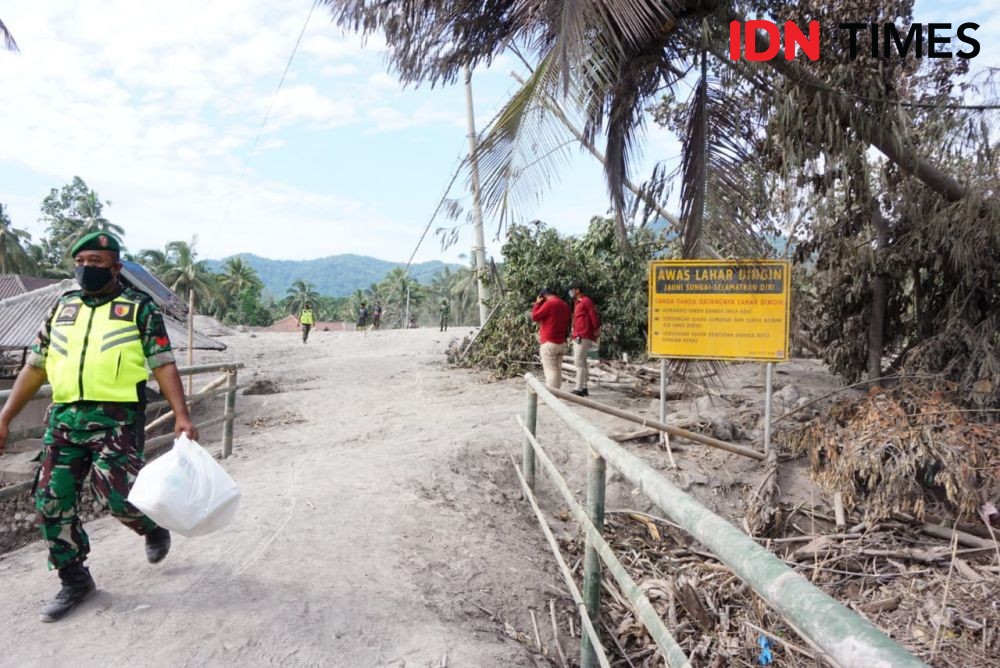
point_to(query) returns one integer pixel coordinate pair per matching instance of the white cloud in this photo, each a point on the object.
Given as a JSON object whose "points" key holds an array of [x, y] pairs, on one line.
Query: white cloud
{"points": [[342, 70], [156, 104], [305, 103]]}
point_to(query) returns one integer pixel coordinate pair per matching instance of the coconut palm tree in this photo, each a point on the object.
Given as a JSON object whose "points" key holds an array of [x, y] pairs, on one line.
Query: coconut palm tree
{"points": [[13, 256], [186, 275], [400, 291], [352, 306], [459, 288], [237, 276], [299, 294], [156, 261], [8, 39]]}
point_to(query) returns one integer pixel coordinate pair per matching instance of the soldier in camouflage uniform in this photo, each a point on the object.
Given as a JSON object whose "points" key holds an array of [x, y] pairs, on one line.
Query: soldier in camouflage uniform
{"points": [[94, 349]]}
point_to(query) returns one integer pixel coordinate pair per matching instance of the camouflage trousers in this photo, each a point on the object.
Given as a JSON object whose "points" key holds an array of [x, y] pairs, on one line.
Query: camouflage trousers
{"points": [[105, 441]]}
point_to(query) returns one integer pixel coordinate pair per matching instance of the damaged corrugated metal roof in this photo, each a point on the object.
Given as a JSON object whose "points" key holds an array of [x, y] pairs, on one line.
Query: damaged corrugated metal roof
{"points": [[12, 285], [21, 316]]}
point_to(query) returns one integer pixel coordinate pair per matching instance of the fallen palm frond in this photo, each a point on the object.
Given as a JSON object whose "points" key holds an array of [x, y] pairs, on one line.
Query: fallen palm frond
{"points": [[896, 449]]}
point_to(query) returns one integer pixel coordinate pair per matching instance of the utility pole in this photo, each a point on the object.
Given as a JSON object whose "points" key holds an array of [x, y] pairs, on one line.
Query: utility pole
{"points": [[190, 324], [406, 313], [479, 250]]}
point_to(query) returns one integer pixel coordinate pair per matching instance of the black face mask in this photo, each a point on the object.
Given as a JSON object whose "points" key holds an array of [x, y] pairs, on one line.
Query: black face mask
{"points": [[94, 279]]}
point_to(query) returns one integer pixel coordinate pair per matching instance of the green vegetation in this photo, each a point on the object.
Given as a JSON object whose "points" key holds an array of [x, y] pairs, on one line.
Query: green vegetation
{"points": [[336, 275], [234, 290], [537, 257]]}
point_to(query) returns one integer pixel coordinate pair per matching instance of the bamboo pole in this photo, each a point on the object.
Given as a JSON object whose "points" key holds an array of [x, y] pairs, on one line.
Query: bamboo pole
{"points": [[191, 401], [848, 638], [528, 453], [591, 560], [661, 426], [230, 414]]}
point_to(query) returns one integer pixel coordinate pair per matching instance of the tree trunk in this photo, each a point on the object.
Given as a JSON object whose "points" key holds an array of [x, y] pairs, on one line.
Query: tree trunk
{"points": [[880, 297]]}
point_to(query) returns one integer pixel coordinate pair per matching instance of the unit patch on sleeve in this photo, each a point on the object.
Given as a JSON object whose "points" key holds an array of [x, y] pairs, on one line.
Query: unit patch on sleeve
{"points": [[68, 314], [123, 311]]}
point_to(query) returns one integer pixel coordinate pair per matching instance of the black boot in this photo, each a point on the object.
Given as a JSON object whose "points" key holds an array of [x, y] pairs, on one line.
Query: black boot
{"points": [[581, 393], [157, 545], [77, 585]]}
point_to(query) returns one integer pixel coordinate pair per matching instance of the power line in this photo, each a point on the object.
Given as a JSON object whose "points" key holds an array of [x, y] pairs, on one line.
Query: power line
{"points": [[281, 81], [267, 116], [444, 196]]}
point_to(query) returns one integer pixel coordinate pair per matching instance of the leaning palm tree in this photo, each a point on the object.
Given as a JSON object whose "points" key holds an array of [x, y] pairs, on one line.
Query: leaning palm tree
{"points": [[13, 256], [605, 62], [8, 39]]}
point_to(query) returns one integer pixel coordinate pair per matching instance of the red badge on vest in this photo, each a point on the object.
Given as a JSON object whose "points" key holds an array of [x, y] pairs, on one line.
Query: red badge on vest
{"points": [[122, 311]]}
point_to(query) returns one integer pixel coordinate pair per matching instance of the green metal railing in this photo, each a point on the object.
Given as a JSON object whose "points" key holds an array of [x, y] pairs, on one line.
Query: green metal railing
{"points": [[843, 637], [229, 379]]}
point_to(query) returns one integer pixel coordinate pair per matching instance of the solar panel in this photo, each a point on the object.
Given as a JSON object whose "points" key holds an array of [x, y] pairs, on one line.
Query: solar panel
{"points": [[139, 278]]}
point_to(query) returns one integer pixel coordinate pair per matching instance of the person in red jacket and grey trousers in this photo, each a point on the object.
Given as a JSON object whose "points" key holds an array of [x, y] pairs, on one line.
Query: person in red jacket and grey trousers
{"points": [[552, 316], [586, 330]]}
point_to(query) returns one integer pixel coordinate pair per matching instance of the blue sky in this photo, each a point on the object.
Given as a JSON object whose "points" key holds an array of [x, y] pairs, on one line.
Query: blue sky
{"points": [[156, 104]]}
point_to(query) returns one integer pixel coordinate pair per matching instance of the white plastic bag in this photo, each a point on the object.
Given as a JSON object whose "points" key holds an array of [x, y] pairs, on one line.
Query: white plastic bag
{"points": [[186, 491]]}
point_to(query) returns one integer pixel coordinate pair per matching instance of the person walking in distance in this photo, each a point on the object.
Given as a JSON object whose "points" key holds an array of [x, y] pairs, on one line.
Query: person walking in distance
{"points": [[306, 321], [445, 310], [586, 330], [363, 316], [552, 316], [377, 316], [94, 349]]}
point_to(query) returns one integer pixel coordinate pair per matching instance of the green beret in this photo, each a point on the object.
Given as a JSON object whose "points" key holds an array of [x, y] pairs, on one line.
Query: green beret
{"points": [[99, 241]]}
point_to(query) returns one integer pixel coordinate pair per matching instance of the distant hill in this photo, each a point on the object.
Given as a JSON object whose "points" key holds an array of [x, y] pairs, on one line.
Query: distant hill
{"points": [[334, 276], [777, 242]]}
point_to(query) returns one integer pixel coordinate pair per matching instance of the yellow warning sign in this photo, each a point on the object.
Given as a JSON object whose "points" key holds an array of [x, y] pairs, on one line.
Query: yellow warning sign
{"points": [[719, 309]]}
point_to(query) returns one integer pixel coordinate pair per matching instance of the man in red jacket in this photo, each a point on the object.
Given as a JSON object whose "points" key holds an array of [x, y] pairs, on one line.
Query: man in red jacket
{"points": [[586, 329], [552, 316]]}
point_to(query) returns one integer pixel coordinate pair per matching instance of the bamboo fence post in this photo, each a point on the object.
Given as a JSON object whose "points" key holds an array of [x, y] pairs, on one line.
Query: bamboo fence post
{"points": [[229, 414], [530, 421]]}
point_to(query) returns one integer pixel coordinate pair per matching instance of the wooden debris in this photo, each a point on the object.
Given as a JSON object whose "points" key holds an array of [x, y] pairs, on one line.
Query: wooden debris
{"points": [[838, 510], [555, 635], [892, 572], [883, 605]]}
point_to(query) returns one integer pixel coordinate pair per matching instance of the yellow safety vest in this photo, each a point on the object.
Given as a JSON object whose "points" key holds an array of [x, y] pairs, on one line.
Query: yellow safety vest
{"points": [[306, 318], [96, 353]]}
